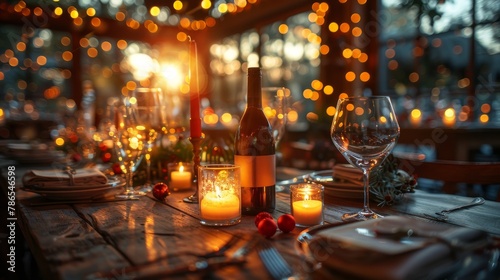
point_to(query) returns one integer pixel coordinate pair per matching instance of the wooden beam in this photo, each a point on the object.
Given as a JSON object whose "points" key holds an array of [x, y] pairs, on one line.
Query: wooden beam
{"points": [[257, 15]]}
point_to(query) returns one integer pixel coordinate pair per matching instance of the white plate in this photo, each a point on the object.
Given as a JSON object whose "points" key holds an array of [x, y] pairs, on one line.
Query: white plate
{"points": [[336, 187], [354, 242], [79, 194], [20, 153], [344, 193], [325, 178], [111, 182]]}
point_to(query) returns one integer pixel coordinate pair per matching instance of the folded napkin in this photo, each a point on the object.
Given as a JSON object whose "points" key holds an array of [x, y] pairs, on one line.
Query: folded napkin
{"points": [[349, 173], [64, 178], [375, 249]]}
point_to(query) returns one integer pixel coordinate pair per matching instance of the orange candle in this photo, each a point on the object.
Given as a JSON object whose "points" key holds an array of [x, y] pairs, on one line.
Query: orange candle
{"points": [[195, 121]]}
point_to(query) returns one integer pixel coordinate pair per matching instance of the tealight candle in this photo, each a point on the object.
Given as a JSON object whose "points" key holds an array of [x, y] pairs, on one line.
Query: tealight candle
{"points": [[306, 201], [220, 205], [415, 117], [180, 176], [449, 118], [219, 194]]}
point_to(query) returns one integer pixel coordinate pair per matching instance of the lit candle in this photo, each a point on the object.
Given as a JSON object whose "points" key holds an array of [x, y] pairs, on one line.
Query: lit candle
{"points": [[219, 206], [180, 180], [195, 121], [308, 212], [307, 204], [449, 118], [415, 117]]}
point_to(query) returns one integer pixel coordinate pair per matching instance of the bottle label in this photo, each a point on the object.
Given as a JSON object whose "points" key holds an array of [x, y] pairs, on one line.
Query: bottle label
{"points": [[257, 171]]}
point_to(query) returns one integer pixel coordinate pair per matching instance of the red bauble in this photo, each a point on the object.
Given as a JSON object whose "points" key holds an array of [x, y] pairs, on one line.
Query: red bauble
{"points": [[117, 169], [106, 157], [260, 216], [286, 223], [76, 157], [160, 191], [103, 147], [267, 227]]}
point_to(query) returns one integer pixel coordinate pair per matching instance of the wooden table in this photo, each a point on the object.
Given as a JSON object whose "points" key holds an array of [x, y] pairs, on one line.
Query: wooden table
{"points": [[73, 241]]}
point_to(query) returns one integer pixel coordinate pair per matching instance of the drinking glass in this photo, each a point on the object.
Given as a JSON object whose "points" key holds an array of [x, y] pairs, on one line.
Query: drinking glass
{"points": [[275, 106], [130, 141], [147, 109], [364, 130]]}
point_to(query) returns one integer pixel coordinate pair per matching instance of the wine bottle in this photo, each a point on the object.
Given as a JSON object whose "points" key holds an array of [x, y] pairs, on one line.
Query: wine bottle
{"points": [[255, 152]]}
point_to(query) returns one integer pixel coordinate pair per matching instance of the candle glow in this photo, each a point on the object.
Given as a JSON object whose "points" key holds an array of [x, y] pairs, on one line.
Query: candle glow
{"points": [[220, 205], [219, 194], [180, 180], [307, 204]]}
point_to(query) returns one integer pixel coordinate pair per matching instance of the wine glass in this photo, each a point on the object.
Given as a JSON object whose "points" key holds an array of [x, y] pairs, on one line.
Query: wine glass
{"points": [[147, 109], [130, 141], [275, 106], [364, 130]]}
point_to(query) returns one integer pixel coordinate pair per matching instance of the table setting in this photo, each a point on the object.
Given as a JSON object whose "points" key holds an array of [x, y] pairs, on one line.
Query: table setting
{"points": [[312, 226], [71, 184]]}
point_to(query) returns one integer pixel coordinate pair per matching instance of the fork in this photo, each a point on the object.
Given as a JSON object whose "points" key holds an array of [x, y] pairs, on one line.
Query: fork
{"points": [[274, 262], [443, 214]]}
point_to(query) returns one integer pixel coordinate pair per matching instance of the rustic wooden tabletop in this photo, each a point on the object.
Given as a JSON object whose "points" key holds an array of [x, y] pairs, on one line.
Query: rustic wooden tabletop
{"points": [[140, 238]]}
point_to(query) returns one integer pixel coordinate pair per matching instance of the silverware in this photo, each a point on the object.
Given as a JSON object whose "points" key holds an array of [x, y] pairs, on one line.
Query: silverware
{"points": [[274, 262], [443, 214], [208, 262], [84, 201]]}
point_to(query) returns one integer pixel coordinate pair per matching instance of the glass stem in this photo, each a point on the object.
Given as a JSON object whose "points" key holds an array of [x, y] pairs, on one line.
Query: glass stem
{"points": [[148, 169], [366, 190], [129, 177]]}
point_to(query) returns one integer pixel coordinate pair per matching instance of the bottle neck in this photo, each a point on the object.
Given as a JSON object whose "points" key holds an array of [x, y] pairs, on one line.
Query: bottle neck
{"points": [[254, 94]]}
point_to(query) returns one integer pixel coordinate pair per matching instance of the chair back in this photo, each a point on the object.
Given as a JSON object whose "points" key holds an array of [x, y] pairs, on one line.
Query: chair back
{"points": [[452, 172]]}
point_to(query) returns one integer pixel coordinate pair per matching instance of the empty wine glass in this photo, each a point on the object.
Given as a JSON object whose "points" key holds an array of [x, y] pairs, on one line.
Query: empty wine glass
{"points": [[146, 104], [275, 106], [365, 130], [130, 141]]}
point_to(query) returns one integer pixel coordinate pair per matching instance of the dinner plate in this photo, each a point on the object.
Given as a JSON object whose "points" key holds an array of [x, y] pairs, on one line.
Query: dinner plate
{"points": [[78, 194], [112, 181], [32, 153], [325, 178], [354, 243], [336, 187]]}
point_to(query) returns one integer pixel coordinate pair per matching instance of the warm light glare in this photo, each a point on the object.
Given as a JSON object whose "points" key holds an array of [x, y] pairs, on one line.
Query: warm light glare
{"points": [[485, 108], [178, 5], [416, 113], [154, 11]]}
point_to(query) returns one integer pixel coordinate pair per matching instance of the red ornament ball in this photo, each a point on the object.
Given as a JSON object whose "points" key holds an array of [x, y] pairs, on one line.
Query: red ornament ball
{"points": [[117, 169], [160, 191], [260, 216], [286, 223], [267, 227], [76, 157]]}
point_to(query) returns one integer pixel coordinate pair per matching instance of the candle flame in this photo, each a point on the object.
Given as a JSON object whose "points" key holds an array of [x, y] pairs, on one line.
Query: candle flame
{"points": [[181, 169], [218, 192]]}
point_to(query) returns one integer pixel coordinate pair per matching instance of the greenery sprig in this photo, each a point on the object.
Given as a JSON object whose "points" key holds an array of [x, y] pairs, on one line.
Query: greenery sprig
{"points": [[388, 183]]}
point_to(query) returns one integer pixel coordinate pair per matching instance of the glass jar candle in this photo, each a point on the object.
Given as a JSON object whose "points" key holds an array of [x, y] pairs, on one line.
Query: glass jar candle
{"points": [[306, 202], [219, 194]]}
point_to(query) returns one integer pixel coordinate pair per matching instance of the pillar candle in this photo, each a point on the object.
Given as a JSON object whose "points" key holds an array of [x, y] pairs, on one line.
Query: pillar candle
{"points": [[308, 212], [180, 180], [219, 206], [195, 121], [449, 118]]}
